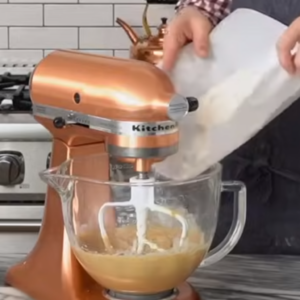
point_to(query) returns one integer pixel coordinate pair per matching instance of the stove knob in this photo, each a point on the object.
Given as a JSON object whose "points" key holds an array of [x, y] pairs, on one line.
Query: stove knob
{"points": [[10, 169]]}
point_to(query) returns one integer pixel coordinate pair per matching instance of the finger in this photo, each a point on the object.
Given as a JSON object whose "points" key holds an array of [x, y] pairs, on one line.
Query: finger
{"points": [[285, 57], [200, 32], [297, 62], [285, 45], [171, 50]]}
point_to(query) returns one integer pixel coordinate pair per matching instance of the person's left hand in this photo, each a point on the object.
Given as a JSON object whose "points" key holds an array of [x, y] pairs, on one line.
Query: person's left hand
{"points": [[290, 62]]}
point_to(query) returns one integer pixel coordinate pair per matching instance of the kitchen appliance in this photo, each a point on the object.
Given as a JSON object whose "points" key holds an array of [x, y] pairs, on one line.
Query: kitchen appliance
{"points": [[95, 110], [149, 47], [25, 148]]}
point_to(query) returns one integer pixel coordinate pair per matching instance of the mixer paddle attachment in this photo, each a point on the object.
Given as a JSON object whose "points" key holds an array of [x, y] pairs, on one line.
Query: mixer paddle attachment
{"points": [[142, 199]]}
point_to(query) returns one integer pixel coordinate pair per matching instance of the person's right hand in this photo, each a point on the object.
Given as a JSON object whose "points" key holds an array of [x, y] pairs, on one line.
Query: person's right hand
{"points": [[287, 42], [190, 25]]}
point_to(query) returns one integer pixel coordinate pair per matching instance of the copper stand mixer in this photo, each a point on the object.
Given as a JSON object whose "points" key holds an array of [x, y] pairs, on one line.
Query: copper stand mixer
{"points": [[94, 104]]}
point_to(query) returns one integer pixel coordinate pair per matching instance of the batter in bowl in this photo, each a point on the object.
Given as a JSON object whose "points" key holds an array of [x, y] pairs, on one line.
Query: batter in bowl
{"points": [[150, 272]]}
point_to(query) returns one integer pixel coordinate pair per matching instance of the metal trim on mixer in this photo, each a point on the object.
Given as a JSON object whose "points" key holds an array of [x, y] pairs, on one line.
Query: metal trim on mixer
{"points": [[106, 125], [142, 152]]}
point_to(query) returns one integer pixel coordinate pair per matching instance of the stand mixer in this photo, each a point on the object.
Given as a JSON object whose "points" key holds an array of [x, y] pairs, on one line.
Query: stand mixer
{"points": [[94, 104]]}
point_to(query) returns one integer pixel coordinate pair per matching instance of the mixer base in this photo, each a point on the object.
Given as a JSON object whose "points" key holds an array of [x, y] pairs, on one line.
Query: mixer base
{"points": [[167, 295], [183, 292]]}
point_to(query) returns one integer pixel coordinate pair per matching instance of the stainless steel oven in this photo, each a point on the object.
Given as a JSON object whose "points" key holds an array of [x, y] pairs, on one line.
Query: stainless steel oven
{"points": [[19, 226], [25, 150]]}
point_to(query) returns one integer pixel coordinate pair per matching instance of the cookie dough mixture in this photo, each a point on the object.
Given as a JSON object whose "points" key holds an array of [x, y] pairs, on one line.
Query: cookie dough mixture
{"points": [[150, 272]]}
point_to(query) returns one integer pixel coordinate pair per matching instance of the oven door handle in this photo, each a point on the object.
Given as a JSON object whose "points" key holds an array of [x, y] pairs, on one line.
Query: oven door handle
{"points": [[30, 225]]}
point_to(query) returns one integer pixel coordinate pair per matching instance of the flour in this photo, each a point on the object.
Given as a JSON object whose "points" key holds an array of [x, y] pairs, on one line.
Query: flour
{"points": [[222, 101]]}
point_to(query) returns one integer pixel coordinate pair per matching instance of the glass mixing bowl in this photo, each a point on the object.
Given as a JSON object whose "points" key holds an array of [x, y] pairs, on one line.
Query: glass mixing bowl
{"points": [[180, 224]]}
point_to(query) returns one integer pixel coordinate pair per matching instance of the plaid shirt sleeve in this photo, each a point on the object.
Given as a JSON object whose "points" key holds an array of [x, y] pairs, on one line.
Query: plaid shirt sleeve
{"points": [[215, 10]]}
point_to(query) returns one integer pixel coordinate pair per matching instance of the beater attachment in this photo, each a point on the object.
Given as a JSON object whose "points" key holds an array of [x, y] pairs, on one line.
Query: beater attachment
{"points": [[142, 199]]}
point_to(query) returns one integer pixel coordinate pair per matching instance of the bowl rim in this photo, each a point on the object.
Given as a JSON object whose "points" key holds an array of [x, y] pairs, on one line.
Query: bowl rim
{"points": [[53, 173]]}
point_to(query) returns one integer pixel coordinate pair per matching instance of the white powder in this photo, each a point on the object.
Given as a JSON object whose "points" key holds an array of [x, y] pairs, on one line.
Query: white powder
{"points": [[216, 107]]}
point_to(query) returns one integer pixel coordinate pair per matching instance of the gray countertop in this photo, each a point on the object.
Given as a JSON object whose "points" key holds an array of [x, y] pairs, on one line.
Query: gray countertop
{"points": [[235, 277]]}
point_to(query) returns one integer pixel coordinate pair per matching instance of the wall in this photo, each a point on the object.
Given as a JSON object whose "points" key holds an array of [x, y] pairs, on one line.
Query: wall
{"points": [[30, 29]]}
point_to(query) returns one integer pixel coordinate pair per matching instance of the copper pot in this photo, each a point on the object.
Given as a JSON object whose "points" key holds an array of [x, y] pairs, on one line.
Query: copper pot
{"points": [[149, 47]]}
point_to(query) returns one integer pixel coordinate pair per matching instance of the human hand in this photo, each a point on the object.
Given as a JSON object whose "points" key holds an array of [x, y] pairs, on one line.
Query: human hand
{"points": [[190, 25], [290, 61]]}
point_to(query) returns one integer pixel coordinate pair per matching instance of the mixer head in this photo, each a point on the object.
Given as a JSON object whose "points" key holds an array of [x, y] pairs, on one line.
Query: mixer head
{"points": [[131, 104]]}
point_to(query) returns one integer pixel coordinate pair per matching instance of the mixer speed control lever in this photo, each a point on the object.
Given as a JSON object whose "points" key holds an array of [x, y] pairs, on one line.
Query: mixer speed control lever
{"points": [[59, 122], [180, 106]]}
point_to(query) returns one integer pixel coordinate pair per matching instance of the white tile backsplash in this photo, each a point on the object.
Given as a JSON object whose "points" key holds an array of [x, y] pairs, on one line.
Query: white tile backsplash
{"points": [[113, 1], [21, 15], [31, 29], [43, 38], [122, 53], [31, 56], [3, 37], [104, 38], [99, 52], [78, 15], [42, 1], [132, 13]]}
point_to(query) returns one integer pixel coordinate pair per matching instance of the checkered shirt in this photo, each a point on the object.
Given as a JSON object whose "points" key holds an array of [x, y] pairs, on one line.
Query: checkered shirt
{"points": [[215, 10]]}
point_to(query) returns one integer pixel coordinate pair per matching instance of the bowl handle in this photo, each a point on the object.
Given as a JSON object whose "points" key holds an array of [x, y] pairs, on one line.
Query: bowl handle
{"points": [[239, 219]]}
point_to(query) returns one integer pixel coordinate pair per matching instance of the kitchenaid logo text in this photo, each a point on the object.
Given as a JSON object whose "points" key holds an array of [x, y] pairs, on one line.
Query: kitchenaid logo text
{"points": [[157, 128]]}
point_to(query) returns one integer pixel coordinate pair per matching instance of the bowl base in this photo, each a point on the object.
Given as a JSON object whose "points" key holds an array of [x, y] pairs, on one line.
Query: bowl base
{"points": [[183, 292]]}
